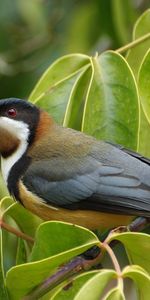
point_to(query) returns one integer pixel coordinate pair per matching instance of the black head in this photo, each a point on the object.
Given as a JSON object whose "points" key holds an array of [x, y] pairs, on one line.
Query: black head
{"points": [[21, 110]]}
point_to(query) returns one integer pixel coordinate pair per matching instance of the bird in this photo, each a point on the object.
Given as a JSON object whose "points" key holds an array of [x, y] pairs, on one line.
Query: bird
{"points": [[62, 174]]}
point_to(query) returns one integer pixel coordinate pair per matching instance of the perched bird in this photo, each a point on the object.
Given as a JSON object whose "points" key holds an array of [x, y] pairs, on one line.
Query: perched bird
{"points": [[62, 174]]}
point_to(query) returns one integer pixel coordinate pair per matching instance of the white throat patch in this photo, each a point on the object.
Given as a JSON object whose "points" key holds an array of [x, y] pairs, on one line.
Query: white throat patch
{"points": [[21, 131]]}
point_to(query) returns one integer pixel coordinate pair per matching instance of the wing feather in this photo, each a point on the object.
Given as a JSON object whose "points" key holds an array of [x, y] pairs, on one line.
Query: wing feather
{"points": [[118, 183]]}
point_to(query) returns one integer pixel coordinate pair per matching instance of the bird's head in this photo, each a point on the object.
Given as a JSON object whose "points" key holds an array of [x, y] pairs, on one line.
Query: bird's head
{"points": [[18, 121]]}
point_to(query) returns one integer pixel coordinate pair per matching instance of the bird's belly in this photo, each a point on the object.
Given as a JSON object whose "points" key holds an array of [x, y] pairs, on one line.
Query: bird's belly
{"points": [[86, 218]]}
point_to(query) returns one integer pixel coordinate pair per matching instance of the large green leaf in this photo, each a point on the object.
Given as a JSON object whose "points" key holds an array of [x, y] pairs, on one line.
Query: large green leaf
{"points": [[144, 135], [56, 243], [75, 107], [112, 110], [135, 55], [53, 90], [144, 85], [144, 93], [73, 236], [87, 286], [60, 70], [137, 246], [141, 278]]}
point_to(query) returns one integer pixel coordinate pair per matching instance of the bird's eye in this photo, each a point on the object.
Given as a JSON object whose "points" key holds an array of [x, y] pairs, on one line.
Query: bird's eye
{"points": [[12, 112]]}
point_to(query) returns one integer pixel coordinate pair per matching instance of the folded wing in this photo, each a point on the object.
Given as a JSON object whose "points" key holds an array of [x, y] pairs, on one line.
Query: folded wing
{"points": [[115, 181]]}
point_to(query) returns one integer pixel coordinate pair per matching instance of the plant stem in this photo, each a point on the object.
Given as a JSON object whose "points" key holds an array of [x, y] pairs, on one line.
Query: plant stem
{"points": [[113, 258], [115, 263], [16, 232], [134, 43]]}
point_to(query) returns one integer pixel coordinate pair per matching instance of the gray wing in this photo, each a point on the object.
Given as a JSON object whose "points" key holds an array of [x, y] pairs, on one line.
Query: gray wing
{"points": [[114, 181]]}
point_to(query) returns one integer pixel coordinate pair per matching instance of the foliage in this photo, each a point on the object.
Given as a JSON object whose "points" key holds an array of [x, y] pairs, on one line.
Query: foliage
{"points": [[34, 33], [106, 96]]}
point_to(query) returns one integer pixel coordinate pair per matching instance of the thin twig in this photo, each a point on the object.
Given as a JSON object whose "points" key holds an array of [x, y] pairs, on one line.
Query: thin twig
{"points": [[16, 232], [134, 43], [115, 263]]}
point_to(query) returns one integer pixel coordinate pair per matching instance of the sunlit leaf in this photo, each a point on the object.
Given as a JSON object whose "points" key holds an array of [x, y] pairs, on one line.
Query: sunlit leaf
{"points": [[5, 203], [75, 107], [144, 135], [135, 55], [144, 85], [141, 278], [112, 110], [73, 236], [144, 94], [53, 90]]}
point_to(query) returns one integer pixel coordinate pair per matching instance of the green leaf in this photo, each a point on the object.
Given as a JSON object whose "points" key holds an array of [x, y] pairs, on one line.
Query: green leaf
{"points": [[144, 85], [27, 223], [53, 90], [144, 93], [5, 203], [94, 287], [3, 290], [74, 287], [87, 286], [135, 55], [74, 110], [144, 135], [56, 243], [141, 278], [71, 236], [21, 255], [115, 294], [112, 110], [137, 246], [3, 189]]}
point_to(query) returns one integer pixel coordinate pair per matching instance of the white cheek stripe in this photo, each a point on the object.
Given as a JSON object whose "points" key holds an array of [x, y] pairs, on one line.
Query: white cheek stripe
{"points": [[20, 130]]}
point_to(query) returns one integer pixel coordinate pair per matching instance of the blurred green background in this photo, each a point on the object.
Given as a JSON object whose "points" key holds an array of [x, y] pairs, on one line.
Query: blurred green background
{"points": [[33, 33]]}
